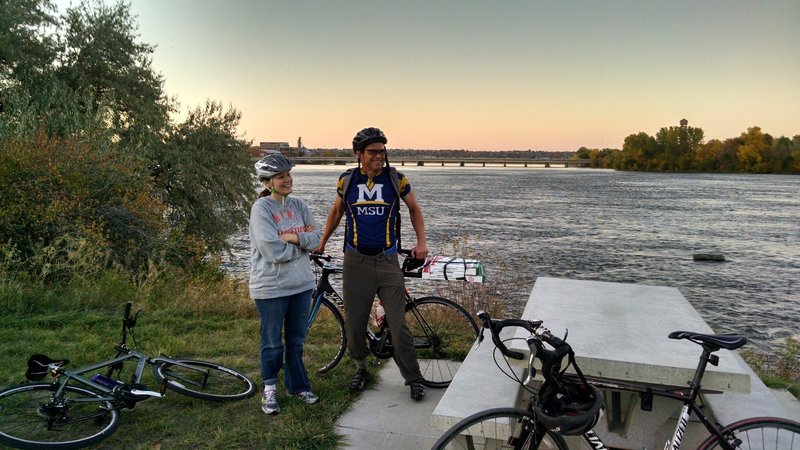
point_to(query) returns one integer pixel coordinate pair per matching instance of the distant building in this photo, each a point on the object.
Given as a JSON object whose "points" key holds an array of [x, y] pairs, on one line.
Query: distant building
{"points": [[282, 147], [265, 148]]}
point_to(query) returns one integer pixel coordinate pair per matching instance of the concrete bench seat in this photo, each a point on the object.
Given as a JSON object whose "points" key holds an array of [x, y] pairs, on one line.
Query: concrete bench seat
{"points": [[759, 402], [478, 385], [619, 332]]}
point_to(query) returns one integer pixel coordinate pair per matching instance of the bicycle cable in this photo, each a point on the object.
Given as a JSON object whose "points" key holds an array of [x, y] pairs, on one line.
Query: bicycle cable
{"points": [[510, 373]]}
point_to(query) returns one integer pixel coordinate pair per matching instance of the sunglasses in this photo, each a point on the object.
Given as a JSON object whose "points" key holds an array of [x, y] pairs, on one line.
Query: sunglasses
{"points": [[375, 152]]}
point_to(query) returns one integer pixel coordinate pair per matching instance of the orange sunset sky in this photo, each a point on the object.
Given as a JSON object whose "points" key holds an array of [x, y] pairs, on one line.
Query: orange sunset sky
{"points": [[481, 75]]}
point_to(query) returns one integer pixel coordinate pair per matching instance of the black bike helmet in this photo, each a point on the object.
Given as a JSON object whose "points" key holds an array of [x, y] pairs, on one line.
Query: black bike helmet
{"points": [[571, 411], [271, 165], [368, 136]]}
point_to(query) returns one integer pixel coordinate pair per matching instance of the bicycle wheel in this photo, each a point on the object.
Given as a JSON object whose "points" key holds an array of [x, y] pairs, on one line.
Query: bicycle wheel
{"points": [[498, 428], [205, 380], [31, 417], [759, 433], [444, 333], [325, 339]]}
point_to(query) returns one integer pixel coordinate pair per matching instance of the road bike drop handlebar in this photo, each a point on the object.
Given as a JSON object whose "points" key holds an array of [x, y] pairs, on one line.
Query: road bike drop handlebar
{"points": [[319, 259], [551, 359]]}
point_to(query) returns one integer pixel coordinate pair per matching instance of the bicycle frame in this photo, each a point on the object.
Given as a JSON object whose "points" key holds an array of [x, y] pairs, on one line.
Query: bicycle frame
{"points": [[689, 397], [690, 406], [124, 353], [142, 360], [377, 341], [689, 400], [324, 287]]}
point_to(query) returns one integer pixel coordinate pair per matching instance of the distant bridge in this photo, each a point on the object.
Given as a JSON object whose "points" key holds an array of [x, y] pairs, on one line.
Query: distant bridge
{"points": [[453, 161]]}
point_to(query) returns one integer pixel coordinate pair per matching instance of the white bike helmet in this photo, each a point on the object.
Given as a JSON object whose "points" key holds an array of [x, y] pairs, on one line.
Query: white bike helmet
{"points": [[271, 165]]}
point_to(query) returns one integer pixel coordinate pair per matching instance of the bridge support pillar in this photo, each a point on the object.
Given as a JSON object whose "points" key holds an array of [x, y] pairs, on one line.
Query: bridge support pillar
{"points": [[547, 164], [420, 163], [462, 164]]}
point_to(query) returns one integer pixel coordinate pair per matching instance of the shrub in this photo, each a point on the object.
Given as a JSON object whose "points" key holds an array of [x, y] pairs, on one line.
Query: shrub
{"points": [[69, 210]]}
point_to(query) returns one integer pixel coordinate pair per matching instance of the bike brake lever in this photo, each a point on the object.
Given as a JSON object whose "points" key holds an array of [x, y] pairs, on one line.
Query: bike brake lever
{"points": [[480, 338]]}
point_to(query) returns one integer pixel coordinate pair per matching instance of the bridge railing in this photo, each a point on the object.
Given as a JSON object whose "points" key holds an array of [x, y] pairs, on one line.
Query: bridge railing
{"points": [[426, 161]]}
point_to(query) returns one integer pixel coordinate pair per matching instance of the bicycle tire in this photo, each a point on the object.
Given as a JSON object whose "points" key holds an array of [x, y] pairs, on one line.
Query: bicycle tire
{"points": [[498, 428], [443, 333], [204, 380], [758, 433], [28, 419], [325, 341]]}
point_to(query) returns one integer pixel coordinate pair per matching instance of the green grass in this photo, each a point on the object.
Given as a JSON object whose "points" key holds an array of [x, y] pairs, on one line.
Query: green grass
{"points": [[200, 318], [779, 370]]}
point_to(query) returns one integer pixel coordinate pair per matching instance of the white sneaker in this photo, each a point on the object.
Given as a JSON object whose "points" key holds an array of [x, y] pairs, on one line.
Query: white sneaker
{"points": [[307, 396], [269, 402]]}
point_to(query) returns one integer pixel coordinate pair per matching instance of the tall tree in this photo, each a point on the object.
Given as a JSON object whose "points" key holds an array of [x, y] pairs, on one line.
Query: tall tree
{"points": [[94, 86], [204, 174], [751, 151], [640, 152], [679, 144], [104, 62], [25, 47]]}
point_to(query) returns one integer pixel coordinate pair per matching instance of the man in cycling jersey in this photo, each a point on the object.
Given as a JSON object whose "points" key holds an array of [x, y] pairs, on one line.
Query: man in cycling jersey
{"points": [[369, 197]]}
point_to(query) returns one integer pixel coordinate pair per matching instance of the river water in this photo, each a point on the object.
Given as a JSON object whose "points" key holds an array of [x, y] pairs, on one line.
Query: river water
{"points": [[604, 225]]}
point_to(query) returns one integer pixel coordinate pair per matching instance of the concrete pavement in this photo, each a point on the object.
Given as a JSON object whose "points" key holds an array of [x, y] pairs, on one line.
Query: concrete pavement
{"points": [[385, 416]]}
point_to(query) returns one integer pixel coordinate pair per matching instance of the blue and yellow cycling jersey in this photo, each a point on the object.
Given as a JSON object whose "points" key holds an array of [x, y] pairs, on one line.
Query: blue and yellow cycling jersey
{"points": [[371, 209]]}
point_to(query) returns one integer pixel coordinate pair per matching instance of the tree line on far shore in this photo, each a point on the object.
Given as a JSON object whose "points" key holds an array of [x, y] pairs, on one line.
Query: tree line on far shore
{"points": [[682, 149], [672, 149]]}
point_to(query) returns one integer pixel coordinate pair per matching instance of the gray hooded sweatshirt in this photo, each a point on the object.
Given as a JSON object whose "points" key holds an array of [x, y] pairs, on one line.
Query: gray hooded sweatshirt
{"points": [[278, 268]]}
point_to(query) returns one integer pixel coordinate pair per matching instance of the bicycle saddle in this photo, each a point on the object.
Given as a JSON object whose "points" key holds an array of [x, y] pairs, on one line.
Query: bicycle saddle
{"points": [[726, 341], [39, 366]]}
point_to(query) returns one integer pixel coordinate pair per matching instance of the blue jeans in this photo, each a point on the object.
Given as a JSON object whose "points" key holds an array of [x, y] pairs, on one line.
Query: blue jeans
{"points": [[290, 314]]}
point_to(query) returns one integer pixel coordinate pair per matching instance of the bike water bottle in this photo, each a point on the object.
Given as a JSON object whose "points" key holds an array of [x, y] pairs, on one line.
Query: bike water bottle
{"points": [[105, 381]]}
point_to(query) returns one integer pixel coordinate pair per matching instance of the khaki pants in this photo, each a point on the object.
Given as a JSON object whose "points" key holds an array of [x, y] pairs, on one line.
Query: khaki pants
{"points": [[364, 276]]}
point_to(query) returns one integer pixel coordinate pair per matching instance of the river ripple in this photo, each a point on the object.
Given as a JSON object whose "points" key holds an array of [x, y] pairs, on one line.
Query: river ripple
{"points": [[613, 226]]}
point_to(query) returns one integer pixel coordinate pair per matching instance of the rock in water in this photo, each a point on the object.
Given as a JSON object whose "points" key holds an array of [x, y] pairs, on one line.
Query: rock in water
{"points": [[708, 257]]}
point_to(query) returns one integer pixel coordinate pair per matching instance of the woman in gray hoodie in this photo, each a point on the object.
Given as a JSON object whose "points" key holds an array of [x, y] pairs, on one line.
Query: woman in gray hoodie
{"points": [[282, 233]]}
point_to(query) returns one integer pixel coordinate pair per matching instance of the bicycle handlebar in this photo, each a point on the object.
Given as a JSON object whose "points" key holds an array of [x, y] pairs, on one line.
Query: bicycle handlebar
{"points": [[318, 258], [495, 326], [551, 359]]}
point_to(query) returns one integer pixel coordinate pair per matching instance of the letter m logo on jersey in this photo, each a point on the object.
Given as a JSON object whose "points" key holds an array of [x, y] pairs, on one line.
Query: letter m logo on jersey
{"points": [[367, 195]]}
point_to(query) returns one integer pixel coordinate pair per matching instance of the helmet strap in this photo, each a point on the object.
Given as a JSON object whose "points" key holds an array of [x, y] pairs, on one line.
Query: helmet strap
{"points": [[274, 193]]}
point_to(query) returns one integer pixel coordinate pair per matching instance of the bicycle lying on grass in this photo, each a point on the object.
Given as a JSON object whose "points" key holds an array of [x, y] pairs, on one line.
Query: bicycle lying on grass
{"points": [[570, 404], [443, 331], [78, 409]]}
